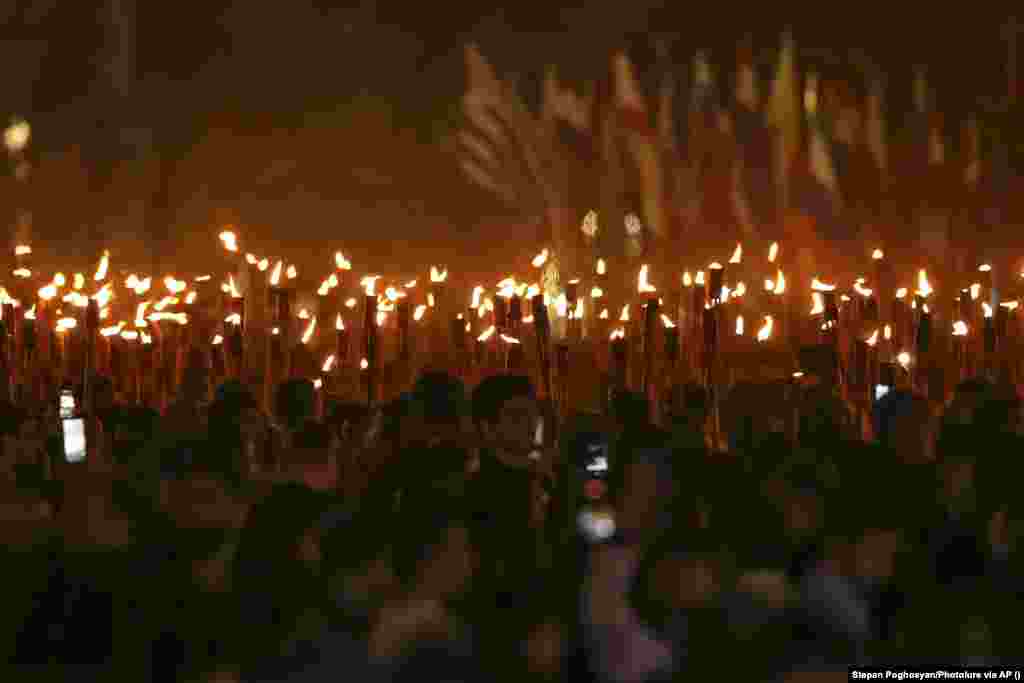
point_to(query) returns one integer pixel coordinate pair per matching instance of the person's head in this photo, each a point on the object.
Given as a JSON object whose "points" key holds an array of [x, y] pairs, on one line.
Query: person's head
{"points": [[134, 429], [505, 411], [199, 486], [234, 416], [904, 425], [437, 409], [435, 556], [295, 402], [280, 543]]}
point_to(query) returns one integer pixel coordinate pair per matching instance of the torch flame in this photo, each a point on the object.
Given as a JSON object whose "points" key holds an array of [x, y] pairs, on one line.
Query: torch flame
{"points": [[924, 288], [540, 259], [487, 334], [328, 364], [59, 280], [901, 293], [263, 265], [430, 299], [341, 262], [715, 266], [699, 280], [132, 281], [144, 286], [818, 306], [562, 306], [959, 329], [324, 289], [780, 283], [667, 322], [739, 326], [130, 335], [232, 288], [773, 252], [419, 312], [903, 359], [310, 329], [737, 254], [393, 294], [79, 281], [22, 250], [174, 286], [477, 293], [769, 285], [1009, 305], [66, 324], [987, 308], [200, 278], [339, 323], [438, 275], [975, 291], [507, 288], [101, 269], [165, 302], [103, 296], [291, 273], [861, 289], [30, 314], [251, 259], [217, 340], [112, 331], [687, 279], [509, 340], [22, 273], [604, 314], [602, 267], [409, 285], [619, 333], [318, 384], [275, 274], [303, 314], [382, 317], [819, 286], [234, 319], [369, 284], [877, 255], [532, 291], [577, 312], [230, 240], [741, 289], [873, 339], [984, 268], [596, 292], [624, 318], [765, 332], [364, 364], [887, 332], [47, 292], [190, 298], [642, 285], [350, 303]]}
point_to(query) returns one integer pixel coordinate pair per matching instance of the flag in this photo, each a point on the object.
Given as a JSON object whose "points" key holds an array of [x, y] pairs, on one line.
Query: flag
{"points": [[641, 143], [785, 115], [755, 174], [814, 190]]}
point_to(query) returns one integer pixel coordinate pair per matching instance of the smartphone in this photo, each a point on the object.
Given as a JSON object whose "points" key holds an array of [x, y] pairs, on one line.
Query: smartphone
{"points": [[74, 439], [881, 390], [66, 405]]}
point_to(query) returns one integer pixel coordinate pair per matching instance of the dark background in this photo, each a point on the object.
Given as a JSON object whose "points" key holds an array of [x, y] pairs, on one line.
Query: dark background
{"points": [[310, 124]]}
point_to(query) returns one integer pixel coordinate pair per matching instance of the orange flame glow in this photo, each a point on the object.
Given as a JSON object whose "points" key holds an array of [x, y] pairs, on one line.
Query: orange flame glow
{"points": [[1010, 305], [887, 332], [339, 323], [487, 334], [818, 306], [275, 274], [369, 284], [509, 340], [102, 268], [291, 273], [328, 364], [604, 314], [699, 280], [596, 292], [904, 359], [773, 252], [765, 332], [959, 329], [877, 255], [310, 329], [79, 281], [642, 284], [987, 308], [419, 312], [624, 317], [47, 292], [619, 333], [873, 339], [230, 240], [924, 288], [438, 275], [341, 262], [737, 254], [364, 364], [602, 267], [739, 326], [667, 322], [819, 286], [975, 291], [22, 250], [540, 259]]}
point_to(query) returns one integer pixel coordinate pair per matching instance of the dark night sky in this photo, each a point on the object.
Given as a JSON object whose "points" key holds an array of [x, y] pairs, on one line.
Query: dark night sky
{"points": [[261, 66]]}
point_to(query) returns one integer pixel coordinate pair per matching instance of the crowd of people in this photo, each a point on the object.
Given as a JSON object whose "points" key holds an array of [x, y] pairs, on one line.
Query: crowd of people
{"points": [[456, 535]]}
